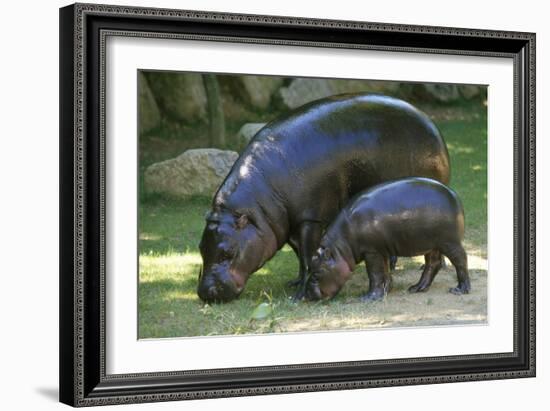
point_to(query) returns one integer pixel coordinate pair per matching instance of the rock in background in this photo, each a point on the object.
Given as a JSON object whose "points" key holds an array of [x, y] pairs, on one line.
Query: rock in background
{"points": [[178, 100], [444, 93], [180, 96], [440, 93], [248, 131], [470, 91], [304, 90], [254, 91], [173, 118], [194, 172], [149, 113]]}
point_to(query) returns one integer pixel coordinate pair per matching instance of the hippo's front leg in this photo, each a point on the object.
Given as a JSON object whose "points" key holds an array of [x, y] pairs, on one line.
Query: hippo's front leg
{"points": [[379, 277], [293, 242], [309, 240]]}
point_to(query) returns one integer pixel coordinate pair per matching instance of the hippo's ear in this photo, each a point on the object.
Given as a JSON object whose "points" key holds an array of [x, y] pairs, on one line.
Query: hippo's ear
{"points": [[241, 222]]}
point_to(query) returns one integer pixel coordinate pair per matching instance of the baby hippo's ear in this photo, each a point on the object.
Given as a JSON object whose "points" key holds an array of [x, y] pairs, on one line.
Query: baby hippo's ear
{"points": [[242, 221]]}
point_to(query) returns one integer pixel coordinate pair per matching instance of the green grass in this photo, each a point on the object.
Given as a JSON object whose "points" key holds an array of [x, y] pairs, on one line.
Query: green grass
{"points": [[467, 144], [170, 231]]}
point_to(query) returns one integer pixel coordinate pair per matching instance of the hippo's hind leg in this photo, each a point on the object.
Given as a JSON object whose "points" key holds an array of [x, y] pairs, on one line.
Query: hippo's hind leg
{"points": [[459, 258], [432, 265], [443, 263], [309, 240], [379, 277]]}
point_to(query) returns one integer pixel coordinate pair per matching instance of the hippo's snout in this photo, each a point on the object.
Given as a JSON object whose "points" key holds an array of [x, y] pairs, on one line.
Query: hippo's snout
{"points": [[313, 292], [217, 287]]}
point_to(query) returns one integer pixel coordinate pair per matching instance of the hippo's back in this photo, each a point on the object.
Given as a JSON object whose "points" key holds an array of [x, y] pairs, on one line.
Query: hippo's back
{"points": [[407, 211], [406, 195], [331, 149]]}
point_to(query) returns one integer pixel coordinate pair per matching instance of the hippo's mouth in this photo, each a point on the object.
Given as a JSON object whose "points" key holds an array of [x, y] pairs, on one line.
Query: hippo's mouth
{"points": [[218, 284], [313, 291]]}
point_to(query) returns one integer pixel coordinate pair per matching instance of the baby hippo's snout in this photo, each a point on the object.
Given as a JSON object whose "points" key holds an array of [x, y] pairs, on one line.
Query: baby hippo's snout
{"points": [[313, 292], [329, 273], [406, 217]]}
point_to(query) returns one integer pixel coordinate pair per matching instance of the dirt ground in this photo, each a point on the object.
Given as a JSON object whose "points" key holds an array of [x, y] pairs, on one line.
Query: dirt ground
{"points": [[402, 309]]}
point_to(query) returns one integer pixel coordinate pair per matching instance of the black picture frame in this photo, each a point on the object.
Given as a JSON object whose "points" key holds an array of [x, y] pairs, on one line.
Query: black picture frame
{"points": [[83, 381]]}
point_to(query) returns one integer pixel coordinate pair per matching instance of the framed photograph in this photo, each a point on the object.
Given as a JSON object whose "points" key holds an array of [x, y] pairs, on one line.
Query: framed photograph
{"points": [[260, 204]]}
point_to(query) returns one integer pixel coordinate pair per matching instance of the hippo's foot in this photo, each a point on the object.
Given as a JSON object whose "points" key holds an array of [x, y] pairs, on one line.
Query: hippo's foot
{"points": [[378, 293], [299, 296], [294, 283], [460, 289], [418, 288], [374, 295]]}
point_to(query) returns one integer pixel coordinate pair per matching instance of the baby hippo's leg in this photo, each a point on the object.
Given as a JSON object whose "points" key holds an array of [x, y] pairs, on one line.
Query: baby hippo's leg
{"points": [[458, 257], [443, 263], [432, 265], [379, 277]]}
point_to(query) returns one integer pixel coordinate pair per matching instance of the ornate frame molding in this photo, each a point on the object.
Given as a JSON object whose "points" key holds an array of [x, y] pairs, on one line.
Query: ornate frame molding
{"points": [[82, 369]]}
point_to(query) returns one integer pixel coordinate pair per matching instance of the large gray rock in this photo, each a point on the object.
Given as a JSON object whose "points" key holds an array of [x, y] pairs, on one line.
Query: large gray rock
{"points": [[248, 131], [259, 89], [194, 172], [180, 96], [149, 114], [254, 91], [304, 90], [469, 91]]}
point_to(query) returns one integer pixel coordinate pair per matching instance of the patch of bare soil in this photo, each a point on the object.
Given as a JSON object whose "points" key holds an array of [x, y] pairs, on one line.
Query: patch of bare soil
{"points": [[435, 307]]}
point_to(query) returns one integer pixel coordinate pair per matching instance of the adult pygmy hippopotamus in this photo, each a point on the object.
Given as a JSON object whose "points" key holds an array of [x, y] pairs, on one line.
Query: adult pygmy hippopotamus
{"points": [[299, 171], [406, 217]]}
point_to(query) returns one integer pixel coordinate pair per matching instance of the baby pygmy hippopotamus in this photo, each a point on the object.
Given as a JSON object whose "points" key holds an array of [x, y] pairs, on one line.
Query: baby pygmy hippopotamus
{"points": [[406, 217]]}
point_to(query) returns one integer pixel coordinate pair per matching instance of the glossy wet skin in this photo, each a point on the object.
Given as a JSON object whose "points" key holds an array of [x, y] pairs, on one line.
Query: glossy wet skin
{"points": [[404, 217], [330, 149], [231, 249]]}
